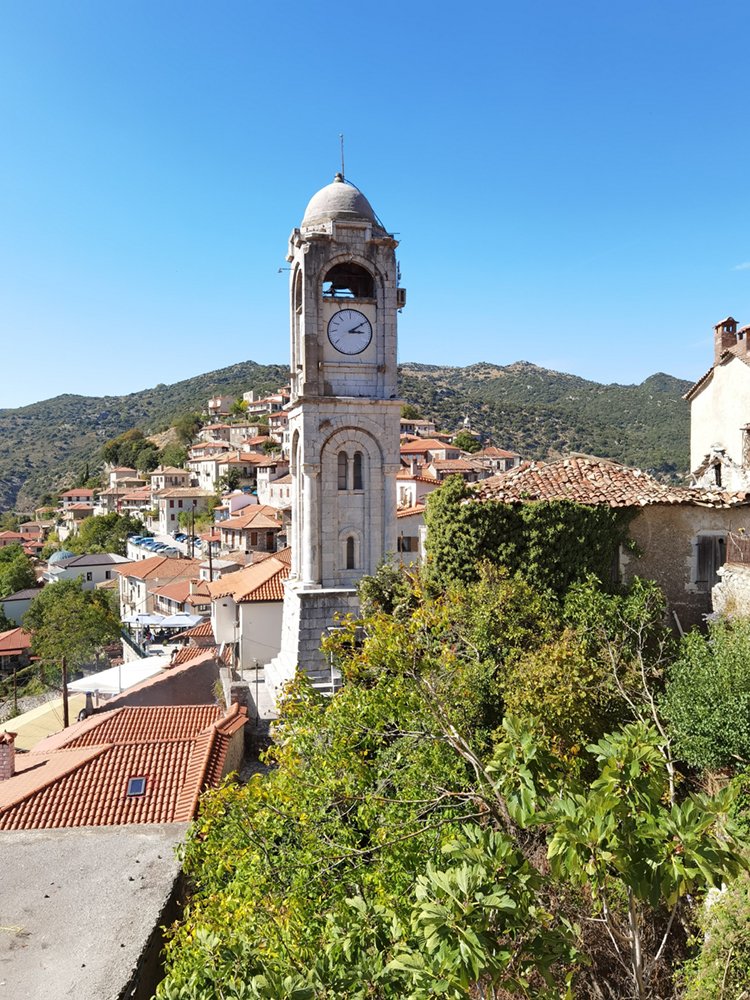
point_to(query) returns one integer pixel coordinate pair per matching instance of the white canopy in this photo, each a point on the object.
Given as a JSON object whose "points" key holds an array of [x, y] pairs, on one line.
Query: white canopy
{"points": [[116, 679], [181, 620]]}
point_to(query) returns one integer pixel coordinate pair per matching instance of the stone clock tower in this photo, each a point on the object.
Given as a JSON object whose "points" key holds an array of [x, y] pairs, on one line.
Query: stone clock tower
{"points": [[343, 416]]}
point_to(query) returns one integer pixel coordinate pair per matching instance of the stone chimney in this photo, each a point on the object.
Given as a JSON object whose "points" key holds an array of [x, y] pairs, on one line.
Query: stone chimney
{"points": [[7, 755], [725, 337]]}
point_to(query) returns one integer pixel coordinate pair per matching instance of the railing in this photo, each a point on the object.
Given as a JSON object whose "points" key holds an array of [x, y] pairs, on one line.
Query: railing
{"points": [[128, 639]]}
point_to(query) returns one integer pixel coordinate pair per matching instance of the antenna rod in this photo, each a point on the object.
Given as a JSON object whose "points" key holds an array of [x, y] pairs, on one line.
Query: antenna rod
{"points": [[341, 140]]}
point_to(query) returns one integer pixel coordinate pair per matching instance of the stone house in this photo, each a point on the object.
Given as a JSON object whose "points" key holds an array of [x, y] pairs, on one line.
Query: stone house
{"points": [[680, 533]]}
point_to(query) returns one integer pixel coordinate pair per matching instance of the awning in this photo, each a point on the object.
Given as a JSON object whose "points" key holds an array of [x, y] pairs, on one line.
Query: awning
{"points": [[181, 620]]}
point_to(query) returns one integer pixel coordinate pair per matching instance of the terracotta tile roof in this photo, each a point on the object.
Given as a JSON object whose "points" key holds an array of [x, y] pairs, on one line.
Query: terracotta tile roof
{"points": [[255, 516], [411, 511], [11, 534], [425, 444], [188, 653], [83, 781], [179, 590], [77, 493], [457, 464], [202, 631], [594, 481], [261, 581], [159, 568], [15, 640], [492, 452], [79, 506]]}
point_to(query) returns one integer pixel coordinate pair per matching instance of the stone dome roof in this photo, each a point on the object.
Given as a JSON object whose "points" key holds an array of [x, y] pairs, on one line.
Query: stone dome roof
{"points": [[339, 200], [60, 556]]}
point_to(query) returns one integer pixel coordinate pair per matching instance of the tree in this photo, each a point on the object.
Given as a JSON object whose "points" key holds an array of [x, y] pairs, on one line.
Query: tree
{"points": [[230, 480], [106, 533], [707, 701], [466, 441], [174, 455], [187, 426], [16, 570], [239, 407], [410, 412], [66, 621]]}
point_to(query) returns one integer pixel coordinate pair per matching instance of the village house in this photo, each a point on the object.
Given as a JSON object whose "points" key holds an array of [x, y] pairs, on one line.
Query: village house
{"points": [[125, 766], [16, 605], [75, 497], [138, 580], [171, 503], [412, 486], [168, 476], [92, 570], [219, 406], [720, 413], [255, 529], [679, 533], [410, 532], [267, 472], [428, 450], [10, 538], [246, 610], [71, 518], [497, 459], [189, 596], [418, 427], [15, 650]]}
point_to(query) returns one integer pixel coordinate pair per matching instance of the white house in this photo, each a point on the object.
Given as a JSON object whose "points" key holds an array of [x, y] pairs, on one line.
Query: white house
{"points": [[246, 610], [171, 503], [92, 570], [720, 413]]}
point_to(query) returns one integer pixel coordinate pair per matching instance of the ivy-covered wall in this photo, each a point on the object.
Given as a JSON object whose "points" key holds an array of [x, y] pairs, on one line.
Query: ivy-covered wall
{"points": [[551, 543]]}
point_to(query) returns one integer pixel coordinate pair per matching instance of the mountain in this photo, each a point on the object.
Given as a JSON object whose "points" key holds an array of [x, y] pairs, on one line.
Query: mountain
{"points": [[522, 407], [542, 413]]}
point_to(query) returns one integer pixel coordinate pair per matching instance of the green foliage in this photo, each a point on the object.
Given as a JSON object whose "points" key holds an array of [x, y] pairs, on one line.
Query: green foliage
{"points": [[187, 426], [722, 967], [270, 446], [707, 701], [67, 621], [239, 407], [466, 441], [552, 544], [410, 412], [105, 533], [173, 455], [16, 570], [231, 479]]}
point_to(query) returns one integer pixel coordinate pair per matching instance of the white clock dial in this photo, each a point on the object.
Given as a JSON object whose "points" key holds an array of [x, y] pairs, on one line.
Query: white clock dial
{"points": [[349, 331]]}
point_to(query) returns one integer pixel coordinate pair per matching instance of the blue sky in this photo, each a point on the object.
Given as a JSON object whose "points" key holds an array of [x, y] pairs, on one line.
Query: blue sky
{"points": [[569, 182]]}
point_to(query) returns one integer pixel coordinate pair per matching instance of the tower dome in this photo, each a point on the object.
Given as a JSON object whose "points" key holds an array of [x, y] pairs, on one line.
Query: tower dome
{"points": [[340, 201]]}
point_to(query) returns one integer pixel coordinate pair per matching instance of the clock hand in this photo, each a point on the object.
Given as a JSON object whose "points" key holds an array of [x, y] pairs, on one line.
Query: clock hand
{"points": [[354, 329]]}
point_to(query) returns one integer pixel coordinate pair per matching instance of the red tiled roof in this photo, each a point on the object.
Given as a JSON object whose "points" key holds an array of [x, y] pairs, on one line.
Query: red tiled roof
{"points": [[81, 777], [411, 511], [179, 590], [159, 568], [202, 631], [14, 641], [594, 481], [425, 444], [79, 506], [11, 534], [77, 493], [254, 516], [261, 581], [493, 452], [188, 653]]}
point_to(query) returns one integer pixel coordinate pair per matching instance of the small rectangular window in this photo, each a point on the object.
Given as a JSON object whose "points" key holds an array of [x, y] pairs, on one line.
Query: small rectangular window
{"points": [[136, 786]]}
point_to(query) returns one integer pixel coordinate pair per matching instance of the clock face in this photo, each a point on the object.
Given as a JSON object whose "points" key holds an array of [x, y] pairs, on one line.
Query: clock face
{"points": [[350, 331]]}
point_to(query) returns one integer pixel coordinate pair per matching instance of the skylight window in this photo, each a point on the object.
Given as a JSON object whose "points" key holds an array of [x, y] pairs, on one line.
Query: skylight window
{"points": [[136, 786]]}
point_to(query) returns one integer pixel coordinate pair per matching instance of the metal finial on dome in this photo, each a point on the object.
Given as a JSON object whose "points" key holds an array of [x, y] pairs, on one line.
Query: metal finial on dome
{"points": [[338, 178]]}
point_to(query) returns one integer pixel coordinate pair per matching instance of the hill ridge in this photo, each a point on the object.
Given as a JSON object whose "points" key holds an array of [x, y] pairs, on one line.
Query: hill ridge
{"points": [[533, 410]]}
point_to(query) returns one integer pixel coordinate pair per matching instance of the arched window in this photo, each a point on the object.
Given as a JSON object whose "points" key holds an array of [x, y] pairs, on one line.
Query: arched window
{"points": [[350, 553], [343, 470], [348, 281], [358, 479]]}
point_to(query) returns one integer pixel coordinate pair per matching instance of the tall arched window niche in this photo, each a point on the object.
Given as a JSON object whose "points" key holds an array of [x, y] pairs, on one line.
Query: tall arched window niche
{"points": [[358, 480], [351, 553], [343, 467]]}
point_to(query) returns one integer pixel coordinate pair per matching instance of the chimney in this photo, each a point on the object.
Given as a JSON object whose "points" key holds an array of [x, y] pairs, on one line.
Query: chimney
{"points": [[7, 755], [414, 465], [725, 337]]}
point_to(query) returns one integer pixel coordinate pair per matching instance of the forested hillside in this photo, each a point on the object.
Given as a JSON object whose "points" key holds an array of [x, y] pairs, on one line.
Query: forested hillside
{"points": [[528, 409]]}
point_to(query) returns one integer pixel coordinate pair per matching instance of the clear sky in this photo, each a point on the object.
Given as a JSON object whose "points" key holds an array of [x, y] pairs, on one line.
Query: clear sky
{"points": [[569, 181]]}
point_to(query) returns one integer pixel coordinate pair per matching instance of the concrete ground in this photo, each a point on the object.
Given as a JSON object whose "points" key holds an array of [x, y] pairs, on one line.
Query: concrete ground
{"points": [[78, 908]]}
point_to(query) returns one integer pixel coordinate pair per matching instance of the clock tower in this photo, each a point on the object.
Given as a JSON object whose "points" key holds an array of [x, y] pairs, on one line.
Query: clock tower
{"points": [[343, 417]]}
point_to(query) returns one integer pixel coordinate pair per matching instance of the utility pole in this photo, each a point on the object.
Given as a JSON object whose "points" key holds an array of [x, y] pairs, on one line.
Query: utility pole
{"points": [[66, 712]]}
